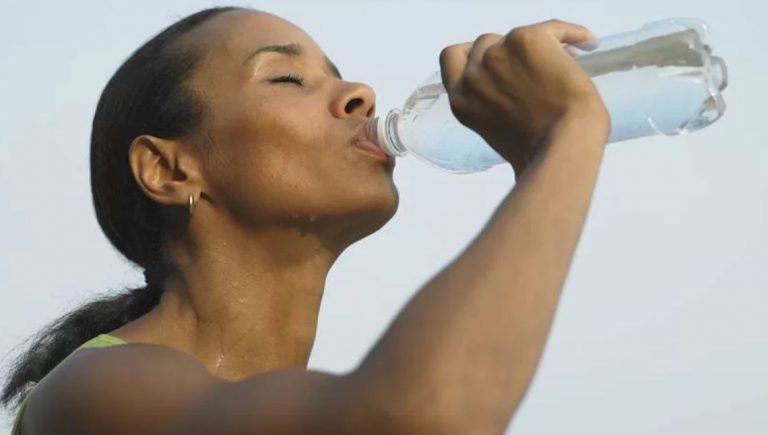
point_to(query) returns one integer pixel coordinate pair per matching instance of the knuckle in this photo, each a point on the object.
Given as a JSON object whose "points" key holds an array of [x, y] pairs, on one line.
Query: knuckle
{"points": [[454, 52], [521, 36], [473, 78], [446, 52], [488, 37], [452, 49], [516, 32], [492, 57], [458, 104]]}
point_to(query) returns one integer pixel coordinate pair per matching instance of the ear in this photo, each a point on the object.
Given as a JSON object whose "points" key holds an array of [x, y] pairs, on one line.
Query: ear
{"points": [[168, 171]]}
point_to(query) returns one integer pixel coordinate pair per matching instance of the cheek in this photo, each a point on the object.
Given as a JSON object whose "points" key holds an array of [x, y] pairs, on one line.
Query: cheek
{"points": [[266, 163], [274, 167], [273, 184]]}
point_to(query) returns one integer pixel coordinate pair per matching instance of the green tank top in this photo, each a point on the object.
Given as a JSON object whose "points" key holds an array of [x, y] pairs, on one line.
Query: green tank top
{"points": [[103, 340]]}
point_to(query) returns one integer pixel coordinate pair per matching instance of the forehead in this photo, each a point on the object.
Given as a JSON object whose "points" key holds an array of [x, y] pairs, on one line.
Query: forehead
{"points": [[237, 33]]}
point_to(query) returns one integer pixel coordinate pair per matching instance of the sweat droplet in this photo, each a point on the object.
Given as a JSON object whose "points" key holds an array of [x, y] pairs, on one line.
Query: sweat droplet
{"points": [[218, 362]]}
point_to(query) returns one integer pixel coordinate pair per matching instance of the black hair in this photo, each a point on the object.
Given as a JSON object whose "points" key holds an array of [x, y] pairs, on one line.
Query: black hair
{"points": [[148, 94]]}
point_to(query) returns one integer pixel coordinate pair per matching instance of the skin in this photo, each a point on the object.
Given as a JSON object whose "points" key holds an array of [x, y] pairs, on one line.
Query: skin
{"points": [[251, 265], [279, 194]]}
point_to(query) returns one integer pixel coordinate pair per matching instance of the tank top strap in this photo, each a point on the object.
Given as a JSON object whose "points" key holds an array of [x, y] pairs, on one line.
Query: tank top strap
{"points": [[102, 340]]}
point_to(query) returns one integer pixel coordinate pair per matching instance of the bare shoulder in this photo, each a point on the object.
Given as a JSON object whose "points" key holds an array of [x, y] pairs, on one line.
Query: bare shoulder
{"points": [[119, 389], [150, 389]]}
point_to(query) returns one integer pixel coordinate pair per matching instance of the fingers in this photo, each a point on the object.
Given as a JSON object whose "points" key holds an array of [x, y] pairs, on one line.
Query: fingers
{"points": [[453, 59], [480, 45], [563, 31]]}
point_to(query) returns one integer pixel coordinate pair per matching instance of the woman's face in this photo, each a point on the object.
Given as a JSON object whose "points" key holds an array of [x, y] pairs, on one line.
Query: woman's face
{"points": [[280, 125]]}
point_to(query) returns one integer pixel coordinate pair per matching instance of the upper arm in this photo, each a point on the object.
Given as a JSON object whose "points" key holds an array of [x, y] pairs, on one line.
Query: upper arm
{"points": [[151, 389]]}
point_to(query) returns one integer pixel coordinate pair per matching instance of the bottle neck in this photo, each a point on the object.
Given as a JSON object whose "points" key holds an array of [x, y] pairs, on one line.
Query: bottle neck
{"points": [[385, 132]]}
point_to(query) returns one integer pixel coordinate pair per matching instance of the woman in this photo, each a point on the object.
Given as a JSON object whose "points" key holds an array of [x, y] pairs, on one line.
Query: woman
{"points": [[227, 162]]}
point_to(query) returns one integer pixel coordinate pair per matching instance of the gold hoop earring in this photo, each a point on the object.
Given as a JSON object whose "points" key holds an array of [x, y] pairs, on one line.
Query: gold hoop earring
{"points": [[191, 204]]}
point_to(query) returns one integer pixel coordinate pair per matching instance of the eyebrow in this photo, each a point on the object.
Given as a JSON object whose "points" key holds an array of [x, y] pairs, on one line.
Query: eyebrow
{"points": [[290, 50]]}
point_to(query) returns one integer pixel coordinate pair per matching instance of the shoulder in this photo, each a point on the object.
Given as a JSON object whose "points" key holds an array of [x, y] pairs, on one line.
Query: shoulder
{"points": [[130, 386], [153, 390]]}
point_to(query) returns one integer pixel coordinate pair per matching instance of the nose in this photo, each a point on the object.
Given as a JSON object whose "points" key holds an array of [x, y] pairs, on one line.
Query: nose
{"points": [[354, 99]]}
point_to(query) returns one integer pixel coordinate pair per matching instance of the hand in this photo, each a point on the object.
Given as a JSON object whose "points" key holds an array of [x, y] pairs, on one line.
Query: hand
{"points": [[512, 90]]}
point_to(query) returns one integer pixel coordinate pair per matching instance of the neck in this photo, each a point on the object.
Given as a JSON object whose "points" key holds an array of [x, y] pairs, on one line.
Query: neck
{"points": [[242, 304]]}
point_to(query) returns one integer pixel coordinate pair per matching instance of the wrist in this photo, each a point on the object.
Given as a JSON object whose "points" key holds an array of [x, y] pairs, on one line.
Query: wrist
{"points": [[586, 131], [590, 120]]}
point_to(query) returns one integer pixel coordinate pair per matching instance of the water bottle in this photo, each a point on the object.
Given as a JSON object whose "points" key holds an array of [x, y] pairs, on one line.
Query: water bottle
{"points": [[660, 79]]}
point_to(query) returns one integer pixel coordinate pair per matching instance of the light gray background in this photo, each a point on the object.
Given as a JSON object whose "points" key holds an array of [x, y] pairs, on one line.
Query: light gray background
{"points": [[661, 327]]}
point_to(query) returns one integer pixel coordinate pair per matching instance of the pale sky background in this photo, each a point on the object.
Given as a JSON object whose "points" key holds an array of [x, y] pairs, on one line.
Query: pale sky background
{"points": [[661, 327]]}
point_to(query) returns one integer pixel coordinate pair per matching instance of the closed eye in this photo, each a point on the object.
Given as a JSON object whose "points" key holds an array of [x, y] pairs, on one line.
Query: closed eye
{"points": [[289, 78]]}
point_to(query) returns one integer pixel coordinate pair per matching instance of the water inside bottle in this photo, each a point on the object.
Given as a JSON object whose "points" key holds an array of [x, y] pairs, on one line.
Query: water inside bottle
{"points": [[428, 124], [670, 100], [667, 83]]}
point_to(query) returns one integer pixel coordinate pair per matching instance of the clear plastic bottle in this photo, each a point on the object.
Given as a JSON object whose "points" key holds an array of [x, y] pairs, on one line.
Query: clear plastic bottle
{"points": [[660, 79]]}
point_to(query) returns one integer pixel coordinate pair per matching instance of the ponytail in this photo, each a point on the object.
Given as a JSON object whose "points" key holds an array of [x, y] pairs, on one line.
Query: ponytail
{"points": [[62, 336]]}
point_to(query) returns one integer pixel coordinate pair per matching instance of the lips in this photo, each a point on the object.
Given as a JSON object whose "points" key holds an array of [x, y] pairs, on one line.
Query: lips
{"points": [[369, 145]]}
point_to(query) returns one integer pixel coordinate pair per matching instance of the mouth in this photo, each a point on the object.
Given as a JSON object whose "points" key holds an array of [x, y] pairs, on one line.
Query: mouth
{"points": [[368, 145]]}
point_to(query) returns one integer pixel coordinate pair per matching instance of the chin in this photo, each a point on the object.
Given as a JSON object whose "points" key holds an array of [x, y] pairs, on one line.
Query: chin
{"points": [[382, 210], [371, 217]]}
